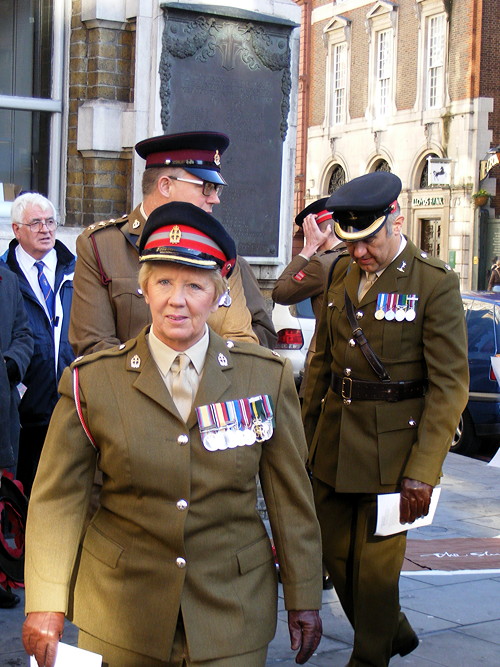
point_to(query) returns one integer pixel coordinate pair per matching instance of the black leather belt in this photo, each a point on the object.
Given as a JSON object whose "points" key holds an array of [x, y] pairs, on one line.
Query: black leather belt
{"points": [[351, 389]]}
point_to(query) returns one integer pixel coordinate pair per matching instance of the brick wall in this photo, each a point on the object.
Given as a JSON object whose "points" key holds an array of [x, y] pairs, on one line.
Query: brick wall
{"points": [[101, 67]]}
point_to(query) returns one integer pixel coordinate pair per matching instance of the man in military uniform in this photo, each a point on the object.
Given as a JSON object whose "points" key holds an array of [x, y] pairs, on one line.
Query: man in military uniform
{"points": [[383, 422], [108, 307], [305, 277]]}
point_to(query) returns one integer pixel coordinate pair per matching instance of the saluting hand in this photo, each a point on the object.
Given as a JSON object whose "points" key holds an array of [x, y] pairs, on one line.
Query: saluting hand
{"points": [[415, 500], [313, 236], [305, 629], [42, 631]]}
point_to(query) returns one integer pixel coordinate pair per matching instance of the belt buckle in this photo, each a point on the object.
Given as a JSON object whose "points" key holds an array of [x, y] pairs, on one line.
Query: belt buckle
{"points": [[346, 389]]}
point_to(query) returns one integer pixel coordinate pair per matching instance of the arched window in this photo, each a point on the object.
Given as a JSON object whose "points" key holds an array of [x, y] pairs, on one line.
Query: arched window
{"points": [[382, 165], [337, 178], [424, 175]]}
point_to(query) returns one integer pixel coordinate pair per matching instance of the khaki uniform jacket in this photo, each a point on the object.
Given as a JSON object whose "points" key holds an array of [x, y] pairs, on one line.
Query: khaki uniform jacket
{"points": [[108, 306], [164, 498], [368, 446], [306, 279]]}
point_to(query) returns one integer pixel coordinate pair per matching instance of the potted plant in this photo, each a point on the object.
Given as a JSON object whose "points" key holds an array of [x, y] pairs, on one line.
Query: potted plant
{"points": [[481, 197]]}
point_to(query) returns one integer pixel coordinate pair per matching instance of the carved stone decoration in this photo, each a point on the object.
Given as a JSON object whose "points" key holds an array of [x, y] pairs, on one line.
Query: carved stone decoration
{"points": [[202, 37], [229, 70]]}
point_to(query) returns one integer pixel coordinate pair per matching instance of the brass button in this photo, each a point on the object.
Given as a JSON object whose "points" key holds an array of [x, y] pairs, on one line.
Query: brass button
{"points": [[182, 504], [352, 342], [183, 439], [180, 562]]}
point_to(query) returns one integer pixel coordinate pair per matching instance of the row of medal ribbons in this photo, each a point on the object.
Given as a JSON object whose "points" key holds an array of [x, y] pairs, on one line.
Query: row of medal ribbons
{"points": [[397, 307], [236, 423]]}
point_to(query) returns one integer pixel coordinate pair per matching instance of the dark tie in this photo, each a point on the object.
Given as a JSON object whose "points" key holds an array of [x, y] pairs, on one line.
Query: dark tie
{"points": [[47, 291]]}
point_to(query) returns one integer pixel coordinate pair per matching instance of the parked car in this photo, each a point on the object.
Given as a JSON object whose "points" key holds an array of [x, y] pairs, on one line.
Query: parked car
{"points": [[295, 327], [481, 417]]}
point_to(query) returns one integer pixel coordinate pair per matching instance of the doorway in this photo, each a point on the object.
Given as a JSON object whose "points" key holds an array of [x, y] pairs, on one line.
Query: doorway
{"points": [[430, 236]]}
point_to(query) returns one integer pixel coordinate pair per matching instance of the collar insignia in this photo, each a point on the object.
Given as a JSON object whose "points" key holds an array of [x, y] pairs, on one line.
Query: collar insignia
{"points": [[135, 362], [402, 266], [222, 360]]}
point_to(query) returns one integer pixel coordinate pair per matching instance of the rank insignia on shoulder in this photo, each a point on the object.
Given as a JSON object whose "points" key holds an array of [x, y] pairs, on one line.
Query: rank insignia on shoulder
{"points": [[236, 423]]}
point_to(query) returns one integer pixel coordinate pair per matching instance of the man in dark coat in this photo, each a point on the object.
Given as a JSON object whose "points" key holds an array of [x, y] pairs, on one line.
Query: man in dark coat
{"points": [[16, 347], [380, 422], [38, 259]]}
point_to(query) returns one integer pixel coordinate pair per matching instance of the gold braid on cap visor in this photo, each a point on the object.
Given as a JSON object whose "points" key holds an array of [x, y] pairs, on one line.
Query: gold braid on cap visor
{"points": [[350, 233]]}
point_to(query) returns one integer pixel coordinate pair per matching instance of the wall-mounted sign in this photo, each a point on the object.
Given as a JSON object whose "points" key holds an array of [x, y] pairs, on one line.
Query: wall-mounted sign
{"points": [[486, 165], [427, 201], [439, 171]]}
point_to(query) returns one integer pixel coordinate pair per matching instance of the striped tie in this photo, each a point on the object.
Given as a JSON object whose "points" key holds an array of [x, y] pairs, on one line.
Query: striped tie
{"points": [[47, 291]]}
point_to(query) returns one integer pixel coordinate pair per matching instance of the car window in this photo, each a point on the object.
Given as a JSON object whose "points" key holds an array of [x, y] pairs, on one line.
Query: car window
{"points": [[481, 329]]}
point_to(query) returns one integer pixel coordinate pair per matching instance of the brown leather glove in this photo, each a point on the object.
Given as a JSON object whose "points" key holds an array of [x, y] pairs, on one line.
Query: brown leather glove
{"points": [[42, 631], [415, 500], [305, 629]]}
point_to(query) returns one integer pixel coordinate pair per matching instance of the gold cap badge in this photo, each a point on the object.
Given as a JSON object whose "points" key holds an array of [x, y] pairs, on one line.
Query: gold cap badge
{"points": [[175, 235]]}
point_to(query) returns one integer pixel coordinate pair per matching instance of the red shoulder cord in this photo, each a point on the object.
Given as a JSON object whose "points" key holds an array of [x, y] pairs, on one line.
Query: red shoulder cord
{"points": [[76, 394]]}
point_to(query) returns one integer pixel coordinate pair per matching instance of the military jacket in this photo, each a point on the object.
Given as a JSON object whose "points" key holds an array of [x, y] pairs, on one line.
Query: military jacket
{"points": [[306, 279], [367, 446], [108, 305], [177, 527]]}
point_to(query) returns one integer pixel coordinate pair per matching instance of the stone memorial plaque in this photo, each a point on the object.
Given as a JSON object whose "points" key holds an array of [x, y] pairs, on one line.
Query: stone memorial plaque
{"points": [[231, 74]]}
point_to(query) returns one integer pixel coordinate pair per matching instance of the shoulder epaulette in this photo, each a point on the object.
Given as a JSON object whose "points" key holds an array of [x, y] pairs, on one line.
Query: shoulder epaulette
{"points": [[243, 347], [433, 261], [96, 226], [115, 351]]}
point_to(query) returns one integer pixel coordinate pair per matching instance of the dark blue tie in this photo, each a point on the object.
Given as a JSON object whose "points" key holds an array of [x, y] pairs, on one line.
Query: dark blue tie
{"points": [[47, 291]]}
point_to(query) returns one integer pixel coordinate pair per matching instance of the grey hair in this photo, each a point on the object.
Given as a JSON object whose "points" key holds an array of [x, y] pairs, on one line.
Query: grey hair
{"points": [[391, 219], [22, 202]]}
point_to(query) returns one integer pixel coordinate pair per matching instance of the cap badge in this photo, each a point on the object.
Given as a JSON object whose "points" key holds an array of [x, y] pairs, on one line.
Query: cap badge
{"points": [[135, 362], [217, 158], [352, 215], [175, 235], [222, 360]]}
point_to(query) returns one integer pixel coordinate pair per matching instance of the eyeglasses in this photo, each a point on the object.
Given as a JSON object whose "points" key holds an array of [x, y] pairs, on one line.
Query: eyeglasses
{"points": [[208, 188], [37, 224]]}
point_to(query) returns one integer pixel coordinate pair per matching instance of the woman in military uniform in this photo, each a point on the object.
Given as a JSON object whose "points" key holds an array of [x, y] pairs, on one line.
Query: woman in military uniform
{"points": [[176, 567]]}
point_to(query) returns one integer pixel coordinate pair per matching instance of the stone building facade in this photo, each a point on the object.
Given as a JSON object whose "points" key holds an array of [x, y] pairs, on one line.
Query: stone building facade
{"points": [[409, 86]]}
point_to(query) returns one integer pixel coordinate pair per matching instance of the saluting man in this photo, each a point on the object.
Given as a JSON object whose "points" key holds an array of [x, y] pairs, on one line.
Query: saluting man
{"points": [[306, 275], [108, 306], [386, 389]]}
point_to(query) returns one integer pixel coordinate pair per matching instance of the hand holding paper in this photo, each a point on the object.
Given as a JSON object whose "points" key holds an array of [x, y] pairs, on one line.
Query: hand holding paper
{"points": [[388, 514], [415, 499], [42, 631], [71, 656]]}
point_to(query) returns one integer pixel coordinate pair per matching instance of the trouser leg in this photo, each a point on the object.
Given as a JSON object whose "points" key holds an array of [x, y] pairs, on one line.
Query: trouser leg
{"points": [[365, 570]]}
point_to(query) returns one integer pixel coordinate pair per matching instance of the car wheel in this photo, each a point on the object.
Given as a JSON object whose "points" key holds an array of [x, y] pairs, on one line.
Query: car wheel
{"points": [[465, 440]]}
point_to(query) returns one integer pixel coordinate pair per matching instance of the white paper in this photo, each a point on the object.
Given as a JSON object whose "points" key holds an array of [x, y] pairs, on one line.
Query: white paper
{"points": [[495, 461], [388, 514], [495, 364], [71, 656]]}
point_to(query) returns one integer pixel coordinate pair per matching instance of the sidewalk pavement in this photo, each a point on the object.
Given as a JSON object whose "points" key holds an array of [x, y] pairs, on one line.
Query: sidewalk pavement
{"points": [[450, 590]]}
